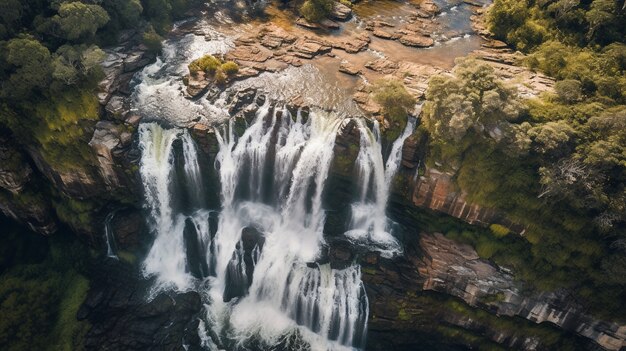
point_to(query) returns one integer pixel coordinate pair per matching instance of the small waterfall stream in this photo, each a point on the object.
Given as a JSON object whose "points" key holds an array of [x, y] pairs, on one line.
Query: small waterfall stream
{"points": [[109, 236]]}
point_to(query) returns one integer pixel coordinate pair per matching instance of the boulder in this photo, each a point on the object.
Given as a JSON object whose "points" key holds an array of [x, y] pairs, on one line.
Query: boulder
{"points": [[379, 33], [251, 53], [302, 22], [382, 65], [15, 172], [416, 40], [348, 68], [197, 84], [341, 12]]}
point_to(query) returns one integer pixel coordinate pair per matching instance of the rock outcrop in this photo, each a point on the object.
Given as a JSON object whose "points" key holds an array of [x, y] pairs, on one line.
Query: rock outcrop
{"points": [[457, 270], [123, 319]]}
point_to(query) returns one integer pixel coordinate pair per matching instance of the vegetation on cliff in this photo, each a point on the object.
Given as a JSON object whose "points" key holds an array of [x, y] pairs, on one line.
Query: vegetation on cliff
{"points": [[555, 164], [42, 285]]}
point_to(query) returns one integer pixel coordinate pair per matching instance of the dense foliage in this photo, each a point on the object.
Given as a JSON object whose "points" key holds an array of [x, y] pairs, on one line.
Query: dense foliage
{"points": [[554, 164], [50, 64], [214, 68], [316, 10], [41, 288]]}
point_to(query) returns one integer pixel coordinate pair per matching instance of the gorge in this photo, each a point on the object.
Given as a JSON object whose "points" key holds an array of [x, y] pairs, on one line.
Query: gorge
{"points": [[302, 200]]}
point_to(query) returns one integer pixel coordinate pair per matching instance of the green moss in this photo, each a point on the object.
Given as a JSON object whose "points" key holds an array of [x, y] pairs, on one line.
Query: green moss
{"points": [[499, 230], [41, 293], [127, 256], [78, 213], [68, 332], [61, 131], [403, 315]]}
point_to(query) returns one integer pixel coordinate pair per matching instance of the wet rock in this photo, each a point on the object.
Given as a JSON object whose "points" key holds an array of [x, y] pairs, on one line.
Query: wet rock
{"points": [[416, 40], [122, 318], [15, 172], [306, 24], [340, 255], [329, 24], [341, 12], [251, 53], [129, 228], [348, 68], [382, 65], [197, 84], [241, 99], [385, 35], [116, 108]]}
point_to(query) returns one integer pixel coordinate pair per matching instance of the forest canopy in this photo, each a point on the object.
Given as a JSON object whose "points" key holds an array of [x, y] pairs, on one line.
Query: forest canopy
{"points": [[555, 164]]}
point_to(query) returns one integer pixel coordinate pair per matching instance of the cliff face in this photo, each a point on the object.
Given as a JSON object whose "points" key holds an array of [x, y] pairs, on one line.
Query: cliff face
{"points": [[456, 269], [41, 194]]}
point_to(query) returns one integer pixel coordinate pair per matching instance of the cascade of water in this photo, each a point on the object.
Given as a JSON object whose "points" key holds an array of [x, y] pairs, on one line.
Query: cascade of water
{"points": [[369, 220], [109, 236], [292, 228], [168, 258], [193, 176], [259, 263]]}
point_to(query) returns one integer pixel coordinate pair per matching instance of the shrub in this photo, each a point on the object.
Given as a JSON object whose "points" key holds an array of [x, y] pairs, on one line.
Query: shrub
{"points": [[206, 63], [220, 77], [568, 90], [499, 230], [316, 10], [152, 41], [394, 99], [230, 68]]}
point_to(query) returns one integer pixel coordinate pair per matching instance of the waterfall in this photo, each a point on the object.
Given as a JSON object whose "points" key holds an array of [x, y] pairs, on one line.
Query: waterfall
{"points": [[109, 236], [168, 259], [369, 221], [256, 260]]}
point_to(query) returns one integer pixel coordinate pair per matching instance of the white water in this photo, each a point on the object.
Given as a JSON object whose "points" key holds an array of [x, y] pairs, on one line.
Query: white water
{"points": [[109, 236], [369, 223], [257, 272]]}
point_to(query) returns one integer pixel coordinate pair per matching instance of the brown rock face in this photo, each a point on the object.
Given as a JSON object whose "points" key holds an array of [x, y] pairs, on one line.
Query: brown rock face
{"points": [[436, 191], [341, 12], [14, 171], [456, 269]]}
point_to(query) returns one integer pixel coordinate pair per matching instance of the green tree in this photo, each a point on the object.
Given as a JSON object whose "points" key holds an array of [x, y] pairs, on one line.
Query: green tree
{"points": [[77, 20], [470, 99], [316, 10], [29, 64]]}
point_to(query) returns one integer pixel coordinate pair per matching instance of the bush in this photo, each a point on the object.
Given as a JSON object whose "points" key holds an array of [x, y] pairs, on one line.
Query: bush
{"points": [[568, 90], [394, 99], [316, 10], [206, 63], [220, 77], [230, 68], [152, 41], [499, 230]]}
